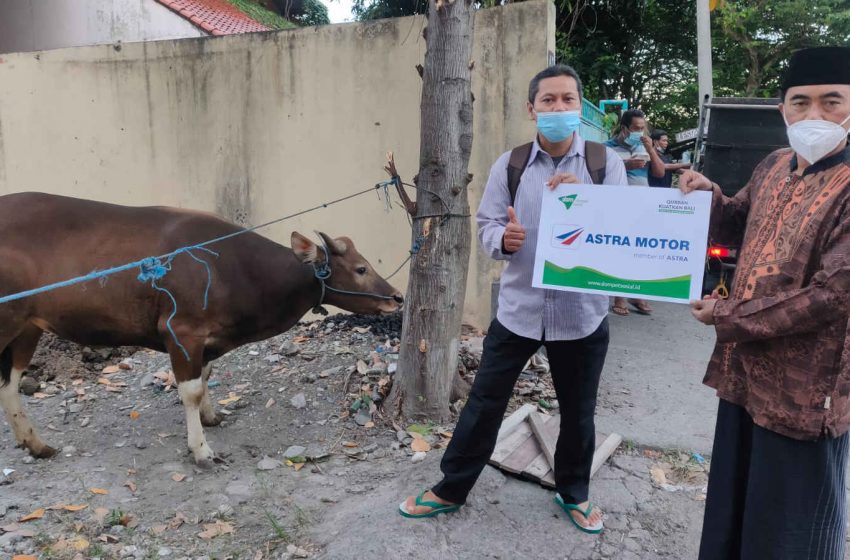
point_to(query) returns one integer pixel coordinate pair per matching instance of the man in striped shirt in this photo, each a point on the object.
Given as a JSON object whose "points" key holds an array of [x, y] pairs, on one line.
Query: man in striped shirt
{"points": [[572, 326]]}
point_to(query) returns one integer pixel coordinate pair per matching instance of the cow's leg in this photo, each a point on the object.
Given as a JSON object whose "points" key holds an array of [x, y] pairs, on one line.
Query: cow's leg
{"points": [[190, 387], [209, 417], [14, 360]]}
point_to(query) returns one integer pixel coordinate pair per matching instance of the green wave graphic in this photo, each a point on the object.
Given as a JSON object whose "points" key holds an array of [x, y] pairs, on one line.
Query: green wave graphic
{"points": [[588, 278]]}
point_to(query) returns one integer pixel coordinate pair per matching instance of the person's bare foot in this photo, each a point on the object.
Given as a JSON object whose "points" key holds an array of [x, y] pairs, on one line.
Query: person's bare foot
{"points": [[594, 519], [411, 507]]}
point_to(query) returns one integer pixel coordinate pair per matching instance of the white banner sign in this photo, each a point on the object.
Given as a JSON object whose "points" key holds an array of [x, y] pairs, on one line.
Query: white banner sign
{"points": [[626, 241]]}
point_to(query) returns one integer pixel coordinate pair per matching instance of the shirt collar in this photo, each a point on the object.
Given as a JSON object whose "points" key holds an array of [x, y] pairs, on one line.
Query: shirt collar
{"points": [[824, 164], [576, 149]]}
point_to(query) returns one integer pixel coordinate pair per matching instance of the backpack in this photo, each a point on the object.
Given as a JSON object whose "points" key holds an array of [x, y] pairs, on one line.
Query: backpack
{"points": [[595, 157]]}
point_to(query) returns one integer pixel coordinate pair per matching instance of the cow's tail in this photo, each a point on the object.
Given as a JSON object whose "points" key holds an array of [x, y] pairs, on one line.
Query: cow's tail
{"points": [[5, 366]]}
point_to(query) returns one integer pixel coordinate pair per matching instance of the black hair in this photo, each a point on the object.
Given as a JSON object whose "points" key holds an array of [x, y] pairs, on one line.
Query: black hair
{"points": [[628, 116], [658, 133], [553, 72]]}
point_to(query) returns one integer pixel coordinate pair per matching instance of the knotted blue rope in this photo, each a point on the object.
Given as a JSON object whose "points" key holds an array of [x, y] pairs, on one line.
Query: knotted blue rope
{"points": [[152, 269]]}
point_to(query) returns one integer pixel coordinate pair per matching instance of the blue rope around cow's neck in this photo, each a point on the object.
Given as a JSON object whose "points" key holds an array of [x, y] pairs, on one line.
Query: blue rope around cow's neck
{"points": [[152, 269]]}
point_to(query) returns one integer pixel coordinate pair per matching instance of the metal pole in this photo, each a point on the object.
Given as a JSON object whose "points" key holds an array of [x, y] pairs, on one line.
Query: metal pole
{"points": [[704, 50]]}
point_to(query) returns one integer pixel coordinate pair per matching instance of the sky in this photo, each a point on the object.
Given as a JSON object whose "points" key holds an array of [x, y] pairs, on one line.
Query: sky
{"points": [[339, 10]]}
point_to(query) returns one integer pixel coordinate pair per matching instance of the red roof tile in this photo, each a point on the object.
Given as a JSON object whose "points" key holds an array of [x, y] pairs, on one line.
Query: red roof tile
{"points": [[217, 17]]}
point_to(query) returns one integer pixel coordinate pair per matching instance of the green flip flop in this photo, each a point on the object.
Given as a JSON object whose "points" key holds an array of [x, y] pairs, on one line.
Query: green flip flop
{"points": [[436, 508], [593, 530]]}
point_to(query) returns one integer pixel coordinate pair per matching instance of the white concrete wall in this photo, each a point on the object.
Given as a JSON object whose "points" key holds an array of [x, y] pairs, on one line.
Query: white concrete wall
{"points": [[34, 25], [258, 126]]}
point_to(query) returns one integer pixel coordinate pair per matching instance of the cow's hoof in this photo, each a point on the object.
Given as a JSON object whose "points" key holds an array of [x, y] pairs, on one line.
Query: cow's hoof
{"points": [[42, 451], [211, 421]]}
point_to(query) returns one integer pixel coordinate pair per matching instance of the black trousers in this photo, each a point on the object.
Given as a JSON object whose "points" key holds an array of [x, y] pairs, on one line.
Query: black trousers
{"points": [[576, 366], [771, 497]]}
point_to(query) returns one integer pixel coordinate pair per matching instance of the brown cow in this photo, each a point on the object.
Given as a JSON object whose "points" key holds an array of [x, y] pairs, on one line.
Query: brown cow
{"points": [[258, 289]]}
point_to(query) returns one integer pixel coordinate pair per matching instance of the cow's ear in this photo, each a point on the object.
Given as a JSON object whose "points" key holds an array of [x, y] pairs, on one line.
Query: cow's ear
{"points": [[304, 249]]}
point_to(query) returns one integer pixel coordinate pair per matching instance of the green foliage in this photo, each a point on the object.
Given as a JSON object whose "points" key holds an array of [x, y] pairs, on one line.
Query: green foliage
{"points": [[753, 39], [261, 14], [313, 13]]}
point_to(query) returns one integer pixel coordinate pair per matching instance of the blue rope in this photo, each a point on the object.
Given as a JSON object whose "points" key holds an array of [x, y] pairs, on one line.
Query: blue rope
{"points": [[152, 269]]}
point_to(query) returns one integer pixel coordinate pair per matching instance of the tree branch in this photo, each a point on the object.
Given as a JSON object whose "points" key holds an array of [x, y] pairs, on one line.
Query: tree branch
{"points": [[390, 168]]}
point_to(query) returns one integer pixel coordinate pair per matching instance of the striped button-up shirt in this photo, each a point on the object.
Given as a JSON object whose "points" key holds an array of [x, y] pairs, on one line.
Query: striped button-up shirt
{"points": [[534, 312]]}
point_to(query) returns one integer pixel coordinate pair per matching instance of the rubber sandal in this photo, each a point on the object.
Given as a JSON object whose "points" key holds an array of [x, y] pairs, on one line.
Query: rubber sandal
{"points": [[619, 310], [594, 529], [642, 308], [436, 508]]}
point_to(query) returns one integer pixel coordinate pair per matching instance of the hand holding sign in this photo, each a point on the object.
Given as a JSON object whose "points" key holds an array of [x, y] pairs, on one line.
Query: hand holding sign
{"points": [[514, 235]]}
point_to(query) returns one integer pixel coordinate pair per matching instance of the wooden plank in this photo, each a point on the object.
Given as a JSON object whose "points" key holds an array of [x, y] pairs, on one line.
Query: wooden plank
{"points": [[539, 467], [514, 420], [508, 445], [605, 450], [518, 461], [546, 441]]}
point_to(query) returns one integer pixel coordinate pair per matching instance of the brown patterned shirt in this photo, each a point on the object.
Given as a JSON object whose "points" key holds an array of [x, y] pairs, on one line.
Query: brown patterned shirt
{"points": [[783, 336]]}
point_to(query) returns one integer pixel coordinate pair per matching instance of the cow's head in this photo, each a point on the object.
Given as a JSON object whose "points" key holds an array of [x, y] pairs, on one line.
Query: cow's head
{"points": [[348, 272]]}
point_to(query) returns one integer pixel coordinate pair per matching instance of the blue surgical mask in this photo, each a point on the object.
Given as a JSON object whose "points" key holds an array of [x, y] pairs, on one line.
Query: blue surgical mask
{"points": [[559, 125], [633, 139]]}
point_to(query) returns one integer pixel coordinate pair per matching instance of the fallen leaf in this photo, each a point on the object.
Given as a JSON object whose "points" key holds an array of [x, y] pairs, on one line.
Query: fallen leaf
{"points": [[362, 368], [109, 370], [349, 444], [100, 514], [212, 530], [178, 521], [114, 388], [99, 491], [300, 339], [37, 514], [11, 528], [77, 382], [231, 398], [159, 529], [107, 538], [134, 415], [447, 435], [298, 466], [131, 472], [270, 403], [423, 346], [104, 381], [39, 395], [419, 444], [657, 475], [24, 557], [64, 545], [131, 485], [361, 330], [369, 424], [178, 477]]}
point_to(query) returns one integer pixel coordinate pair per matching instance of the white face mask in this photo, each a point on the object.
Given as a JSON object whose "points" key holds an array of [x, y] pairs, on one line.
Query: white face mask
{"points": [[813, 139]]}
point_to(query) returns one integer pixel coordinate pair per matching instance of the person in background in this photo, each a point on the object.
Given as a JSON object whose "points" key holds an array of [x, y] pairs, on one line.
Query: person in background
{"points": [[660, 141], [634, 147]]}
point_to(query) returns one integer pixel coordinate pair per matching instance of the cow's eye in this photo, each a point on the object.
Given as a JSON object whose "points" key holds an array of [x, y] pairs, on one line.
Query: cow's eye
{"points": [[361, 270]]}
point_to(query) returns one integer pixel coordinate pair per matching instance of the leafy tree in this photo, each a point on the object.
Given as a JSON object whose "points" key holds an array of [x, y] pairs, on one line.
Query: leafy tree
{"points": [[753, 39]]}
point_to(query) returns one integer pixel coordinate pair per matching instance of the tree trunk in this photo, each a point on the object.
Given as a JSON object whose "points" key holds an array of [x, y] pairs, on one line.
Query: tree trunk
{"points": [[441, 229]]}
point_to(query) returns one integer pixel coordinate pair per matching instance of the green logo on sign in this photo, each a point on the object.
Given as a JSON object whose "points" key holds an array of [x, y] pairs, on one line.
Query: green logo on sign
{"points": [[568, 200]]}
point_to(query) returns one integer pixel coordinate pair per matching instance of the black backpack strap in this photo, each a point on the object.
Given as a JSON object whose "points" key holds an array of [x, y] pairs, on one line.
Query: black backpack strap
{"points": [[595, 157], [516, 167]]}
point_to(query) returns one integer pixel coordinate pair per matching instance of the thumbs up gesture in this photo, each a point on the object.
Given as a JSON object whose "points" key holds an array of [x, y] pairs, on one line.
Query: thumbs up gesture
{"points": [[514, 235]]}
